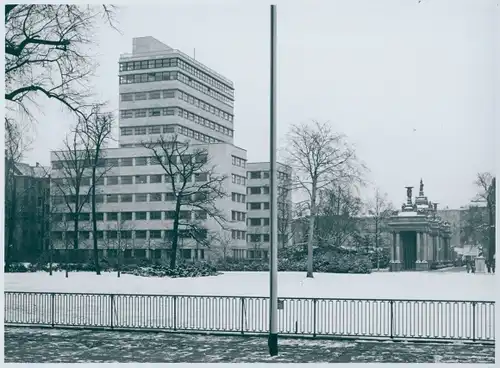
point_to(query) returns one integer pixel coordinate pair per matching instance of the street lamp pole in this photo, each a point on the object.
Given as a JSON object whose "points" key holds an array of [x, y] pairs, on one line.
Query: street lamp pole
{"points": [[273, 259]]}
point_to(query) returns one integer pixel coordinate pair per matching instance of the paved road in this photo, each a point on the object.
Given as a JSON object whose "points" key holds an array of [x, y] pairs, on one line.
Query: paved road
{"points": [[24, 345]]}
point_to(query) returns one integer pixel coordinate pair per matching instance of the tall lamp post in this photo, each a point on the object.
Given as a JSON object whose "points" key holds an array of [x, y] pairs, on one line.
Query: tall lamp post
{"points": [[273, 259]]}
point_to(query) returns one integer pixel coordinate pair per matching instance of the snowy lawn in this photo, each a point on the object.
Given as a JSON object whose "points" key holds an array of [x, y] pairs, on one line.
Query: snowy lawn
{"points": [[402, 285], [240, 314]]}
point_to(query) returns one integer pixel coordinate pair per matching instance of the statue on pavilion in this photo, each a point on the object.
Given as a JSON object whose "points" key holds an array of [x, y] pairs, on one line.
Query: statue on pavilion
{"points": [[421, 189], [408, 194]]}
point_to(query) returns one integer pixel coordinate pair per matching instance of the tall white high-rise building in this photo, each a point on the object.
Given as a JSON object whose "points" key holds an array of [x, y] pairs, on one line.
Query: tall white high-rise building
{"points": [[162, 90]]}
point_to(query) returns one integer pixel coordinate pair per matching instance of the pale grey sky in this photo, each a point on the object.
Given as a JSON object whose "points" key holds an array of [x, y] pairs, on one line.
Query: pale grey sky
{"points": [[411, 85]]}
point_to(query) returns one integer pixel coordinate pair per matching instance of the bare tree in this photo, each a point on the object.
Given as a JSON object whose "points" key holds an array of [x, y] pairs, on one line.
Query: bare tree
{"points": [[474, 226], [120, 243], [71, 182], [47, 52], [380, 209], [60, 224], [224, 240], [16, 145], [95, 132], [194, 185], [319, 156], [285, 215], [486, 183], [338, 212]]}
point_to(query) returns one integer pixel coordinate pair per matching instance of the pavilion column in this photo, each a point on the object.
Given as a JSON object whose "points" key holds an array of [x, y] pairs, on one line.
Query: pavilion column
{"points": [[393, 247], [398, 247], [438, 246], [445, 249], [434, 248], [419, 247], [426, 246]]}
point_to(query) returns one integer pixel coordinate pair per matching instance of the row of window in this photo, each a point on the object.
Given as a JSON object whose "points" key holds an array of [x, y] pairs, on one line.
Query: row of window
{"points": [[265, 175], [124, 198], [135, 179], [166, 76], [256, 221], [148, 95], [204, 106], [130, 234], [174, 62], [129, 216], [282, 191], [258, 206], [257, 238], [238, 234], [197, 135], [168, 111], [149, 129], [238, 179], [258, 190], [250, 254], [237, 161], [238, 216], [183, 131], [237, 197], [200, 157], [79, 255]]}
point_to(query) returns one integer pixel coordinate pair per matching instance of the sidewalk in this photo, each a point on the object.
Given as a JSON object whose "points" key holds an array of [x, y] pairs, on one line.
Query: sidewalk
{"points": [[26, 345]]}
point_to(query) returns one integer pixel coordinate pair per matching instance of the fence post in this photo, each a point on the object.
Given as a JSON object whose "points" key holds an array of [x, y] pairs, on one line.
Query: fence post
{"points": [[52, 308], [474, 321], [111, 310], [314, 316], [391, 304], [175, 312], [242, 315]]}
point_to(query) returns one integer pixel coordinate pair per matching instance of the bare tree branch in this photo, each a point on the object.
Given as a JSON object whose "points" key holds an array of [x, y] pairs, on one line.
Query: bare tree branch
{"points": [[95, 131], [320, 157], [195, 186], [47, 52]]}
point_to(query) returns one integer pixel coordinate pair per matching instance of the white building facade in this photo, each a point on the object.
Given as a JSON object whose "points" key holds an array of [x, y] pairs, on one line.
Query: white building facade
{"points": [[258, 208], [162, 92]]}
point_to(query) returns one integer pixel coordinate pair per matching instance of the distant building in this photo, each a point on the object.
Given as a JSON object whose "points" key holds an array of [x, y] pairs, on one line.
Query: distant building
{"points": [[258, 208], [27, 212]]}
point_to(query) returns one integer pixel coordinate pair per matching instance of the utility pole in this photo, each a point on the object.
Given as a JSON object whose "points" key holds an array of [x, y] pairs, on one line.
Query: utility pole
{"points": [[273, 245]]}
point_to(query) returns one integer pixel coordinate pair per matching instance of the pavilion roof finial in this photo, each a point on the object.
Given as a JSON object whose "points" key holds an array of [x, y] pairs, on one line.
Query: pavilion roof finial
{"points": [[421, 191]]}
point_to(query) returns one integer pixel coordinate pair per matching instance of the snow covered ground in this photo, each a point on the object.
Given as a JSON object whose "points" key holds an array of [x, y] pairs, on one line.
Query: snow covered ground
{"points": [[403, 285], [337, 317]]}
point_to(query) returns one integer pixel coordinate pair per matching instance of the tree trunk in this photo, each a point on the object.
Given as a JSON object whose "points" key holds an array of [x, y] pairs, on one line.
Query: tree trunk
{"points": [[491, 233], [94, 223], [310, 239], [51, 251], [175, 234], [376, 244], [75, 226], [67, 259], [11, 224]]}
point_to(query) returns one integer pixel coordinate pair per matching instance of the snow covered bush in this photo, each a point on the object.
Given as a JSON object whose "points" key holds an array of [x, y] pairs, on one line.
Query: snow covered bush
{"points": [[18, 267], [181, 270], [340, 263]]}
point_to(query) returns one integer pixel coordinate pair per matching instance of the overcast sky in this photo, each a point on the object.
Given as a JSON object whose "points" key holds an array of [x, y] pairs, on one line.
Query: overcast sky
{"points": [[410, 84]]}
